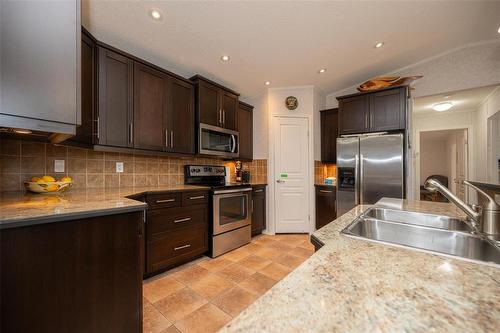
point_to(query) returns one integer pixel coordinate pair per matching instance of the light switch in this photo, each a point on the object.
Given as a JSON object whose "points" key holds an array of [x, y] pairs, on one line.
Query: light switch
{"points": [[58, 165], [119, 166]]}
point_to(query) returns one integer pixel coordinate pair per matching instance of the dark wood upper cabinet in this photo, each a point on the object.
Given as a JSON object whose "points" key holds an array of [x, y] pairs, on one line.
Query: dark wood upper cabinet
{"points": [[87, 131], [329, 134], [353, 114], [208, 104], [180, 120], [150, 108], [216, 105], [387, 110], [245, 128], [229, 110], [115, 99], [383, 110]]}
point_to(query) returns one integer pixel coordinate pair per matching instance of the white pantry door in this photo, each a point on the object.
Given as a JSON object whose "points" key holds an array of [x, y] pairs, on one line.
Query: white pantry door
{"points": [[291, 164]]}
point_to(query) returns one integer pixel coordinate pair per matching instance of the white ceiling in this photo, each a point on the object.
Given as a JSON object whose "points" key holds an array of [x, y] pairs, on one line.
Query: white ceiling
{"points": [[287, 42], [462, 100]]}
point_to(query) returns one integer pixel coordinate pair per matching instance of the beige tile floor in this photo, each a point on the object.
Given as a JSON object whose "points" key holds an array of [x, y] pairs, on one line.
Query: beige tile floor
{"points": [[204, 295]]}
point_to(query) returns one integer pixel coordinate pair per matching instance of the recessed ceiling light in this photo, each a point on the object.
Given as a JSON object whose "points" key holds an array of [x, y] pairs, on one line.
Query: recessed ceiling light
{"points": [[379, 45], [267, 83], [322, 70], [224, 58], [440, 107], [498, 30], [155, 14], [446, 96]]}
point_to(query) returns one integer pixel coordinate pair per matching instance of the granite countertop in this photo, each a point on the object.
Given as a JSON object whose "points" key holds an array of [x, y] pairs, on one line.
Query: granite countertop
{"points": [[352, 285], [24, 208]]}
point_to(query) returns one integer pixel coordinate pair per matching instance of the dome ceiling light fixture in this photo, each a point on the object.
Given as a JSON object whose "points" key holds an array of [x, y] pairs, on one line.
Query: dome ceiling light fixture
{"points": [[440, 107]]}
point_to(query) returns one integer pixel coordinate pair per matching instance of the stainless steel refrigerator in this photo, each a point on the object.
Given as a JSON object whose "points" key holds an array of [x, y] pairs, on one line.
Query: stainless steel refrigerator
{"points": [[369, 167]]}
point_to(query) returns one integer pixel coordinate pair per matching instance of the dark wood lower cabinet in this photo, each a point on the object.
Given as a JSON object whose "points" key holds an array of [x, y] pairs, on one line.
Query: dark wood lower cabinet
{"points": [[176, 229], [76, 276], [326, 207], [258, 209]]}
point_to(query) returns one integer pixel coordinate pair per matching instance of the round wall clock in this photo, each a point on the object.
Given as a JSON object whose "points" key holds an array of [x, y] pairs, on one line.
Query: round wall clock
{"points": [[291, 102]]}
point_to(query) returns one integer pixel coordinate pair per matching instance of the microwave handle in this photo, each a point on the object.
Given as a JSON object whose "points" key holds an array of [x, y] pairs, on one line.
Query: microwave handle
{"points": [[233, 140]]}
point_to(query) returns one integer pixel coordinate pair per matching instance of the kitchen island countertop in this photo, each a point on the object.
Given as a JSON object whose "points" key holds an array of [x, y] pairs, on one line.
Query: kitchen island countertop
{"points": [[23, 208], [351, 285]]}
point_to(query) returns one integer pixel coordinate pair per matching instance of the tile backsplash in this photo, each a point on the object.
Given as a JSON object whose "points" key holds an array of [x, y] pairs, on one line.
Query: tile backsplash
{"points": [[323, 170], [20, 160]]}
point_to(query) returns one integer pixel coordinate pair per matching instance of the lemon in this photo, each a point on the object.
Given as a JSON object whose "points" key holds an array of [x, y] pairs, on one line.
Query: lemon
{"points": [[52, 187], [66, 179], [48, 178], [40, 181], [35, 179]]}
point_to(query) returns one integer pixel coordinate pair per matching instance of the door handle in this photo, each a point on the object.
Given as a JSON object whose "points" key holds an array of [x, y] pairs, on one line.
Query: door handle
{"points": [[165, 200], [183, 220], [197, 197], [223, 117], [281, 181], [131, 132], [166, 138], [171, 139], [182, 247]]}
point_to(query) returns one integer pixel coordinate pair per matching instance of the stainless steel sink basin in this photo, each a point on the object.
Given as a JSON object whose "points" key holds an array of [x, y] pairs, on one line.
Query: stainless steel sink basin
{"points": [[450, 242], [422, 219]]}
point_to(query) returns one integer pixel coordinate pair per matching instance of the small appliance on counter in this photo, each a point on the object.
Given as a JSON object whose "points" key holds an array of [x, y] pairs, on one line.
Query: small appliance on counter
{"points": [[231, 217], [330, 181], [238, 167], [245, 177]]}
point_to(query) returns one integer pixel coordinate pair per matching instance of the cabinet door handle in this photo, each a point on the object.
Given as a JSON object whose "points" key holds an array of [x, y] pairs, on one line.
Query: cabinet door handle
{"points": [[252, 206], [257, 191], [220, 117], [197, 197], [224, 117], [166, 138], [131, 132], [165, 200], [183, 220], [371, 120], [325, 191], [97, 132], [366, 121], [171, 139], [182, 247]]}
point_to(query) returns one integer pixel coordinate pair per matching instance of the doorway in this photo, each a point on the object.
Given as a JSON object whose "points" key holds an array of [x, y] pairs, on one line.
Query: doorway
{"points": [[291, 174], [444, 156]]}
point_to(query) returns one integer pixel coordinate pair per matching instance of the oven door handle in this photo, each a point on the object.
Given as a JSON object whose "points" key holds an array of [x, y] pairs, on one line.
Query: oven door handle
{"points": [[233, 191]]}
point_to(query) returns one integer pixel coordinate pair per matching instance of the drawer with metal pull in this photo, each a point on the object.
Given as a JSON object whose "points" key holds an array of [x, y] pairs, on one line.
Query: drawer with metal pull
{"points": [[175, 247], [164, 220], [163, 200], [194, 198]]}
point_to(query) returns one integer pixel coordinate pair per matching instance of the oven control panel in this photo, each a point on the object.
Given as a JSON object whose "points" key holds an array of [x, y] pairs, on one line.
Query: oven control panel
{"points": [[205, 170]]}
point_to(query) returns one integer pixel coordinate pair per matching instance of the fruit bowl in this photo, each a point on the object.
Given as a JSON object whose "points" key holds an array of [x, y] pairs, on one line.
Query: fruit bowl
{"points": [[48, 184], [48, 187]]}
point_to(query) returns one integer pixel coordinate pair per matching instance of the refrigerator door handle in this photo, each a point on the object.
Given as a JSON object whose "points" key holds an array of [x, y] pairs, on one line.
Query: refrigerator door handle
{"points": [[361, 201], [356, 177]]}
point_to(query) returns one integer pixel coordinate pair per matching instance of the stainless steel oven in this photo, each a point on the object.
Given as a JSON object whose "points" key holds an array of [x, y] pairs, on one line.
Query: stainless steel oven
{"points": [[218, 141], [231, 219]]}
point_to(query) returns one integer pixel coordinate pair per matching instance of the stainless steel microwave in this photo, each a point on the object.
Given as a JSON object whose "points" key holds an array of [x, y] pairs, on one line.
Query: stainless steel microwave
{"points": [[218, 141]]}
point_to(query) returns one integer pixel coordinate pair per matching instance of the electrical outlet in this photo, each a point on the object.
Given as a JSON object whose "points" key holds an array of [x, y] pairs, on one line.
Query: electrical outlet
{"points": [[119, 166], [58, 165]]}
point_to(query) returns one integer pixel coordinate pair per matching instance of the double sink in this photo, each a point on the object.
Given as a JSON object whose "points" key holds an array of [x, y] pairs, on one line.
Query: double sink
{"points": [[434, 233]]}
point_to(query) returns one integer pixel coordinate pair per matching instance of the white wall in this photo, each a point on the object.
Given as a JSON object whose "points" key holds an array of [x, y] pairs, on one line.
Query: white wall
{"points": [[487, 109], [260, 125], [440, 121], [471, 66], [434, 159]]}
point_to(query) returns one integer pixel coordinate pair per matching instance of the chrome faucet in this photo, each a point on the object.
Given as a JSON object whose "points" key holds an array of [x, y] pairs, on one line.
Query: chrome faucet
{"points": [[485, 217]]}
